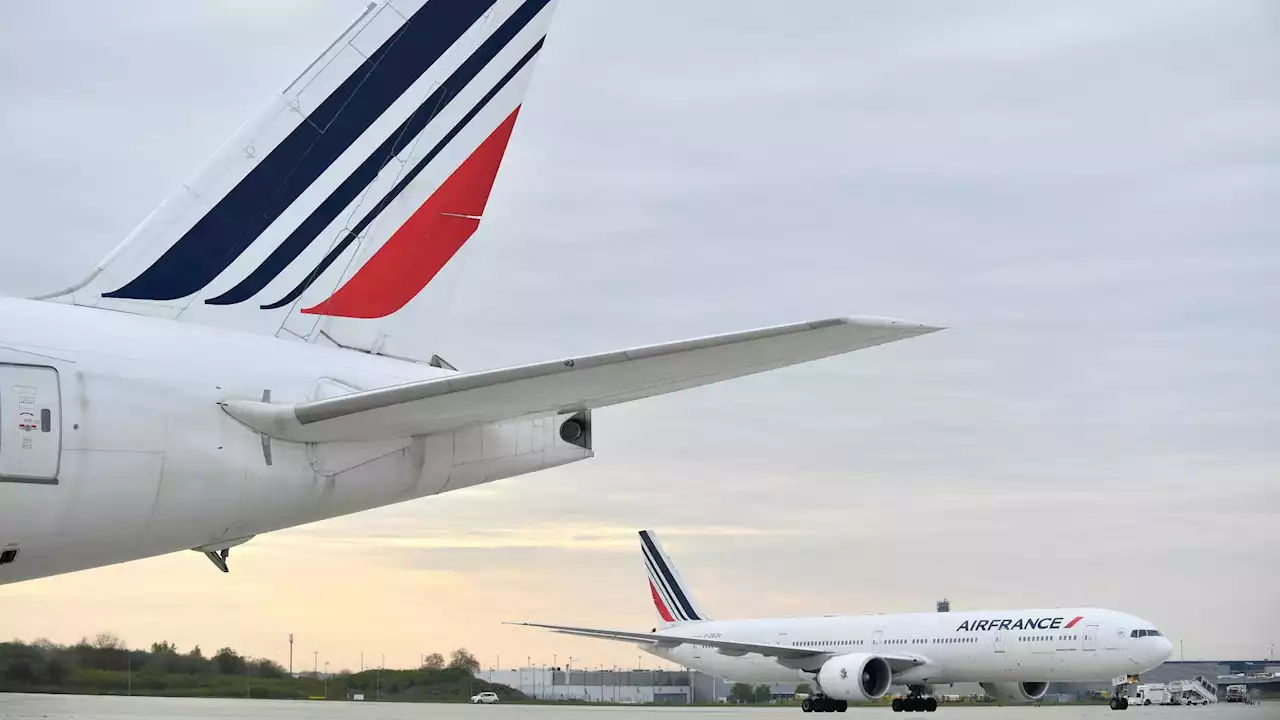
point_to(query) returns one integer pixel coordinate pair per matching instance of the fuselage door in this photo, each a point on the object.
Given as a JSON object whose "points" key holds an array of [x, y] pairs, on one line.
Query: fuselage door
{"points": [[31, 430], [876, 638], [999, 643], [1090, 638]]}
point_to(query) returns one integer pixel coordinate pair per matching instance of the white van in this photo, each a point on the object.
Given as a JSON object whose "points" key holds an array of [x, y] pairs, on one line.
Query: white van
{"points": [[1151, 694]]}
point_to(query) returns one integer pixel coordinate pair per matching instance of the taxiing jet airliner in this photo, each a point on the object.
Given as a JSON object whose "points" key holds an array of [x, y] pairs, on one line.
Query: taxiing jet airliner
{"points": [[251, 357], [1014, 654]]}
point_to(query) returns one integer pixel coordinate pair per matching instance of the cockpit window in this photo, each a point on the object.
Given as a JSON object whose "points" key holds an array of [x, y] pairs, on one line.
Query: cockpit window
{"points": [[1144, 633]]}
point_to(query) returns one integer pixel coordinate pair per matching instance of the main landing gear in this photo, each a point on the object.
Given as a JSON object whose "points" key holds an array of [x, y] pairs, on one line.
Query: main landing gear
{"points": [[822, 703], [1119, 703], [915, 701]]}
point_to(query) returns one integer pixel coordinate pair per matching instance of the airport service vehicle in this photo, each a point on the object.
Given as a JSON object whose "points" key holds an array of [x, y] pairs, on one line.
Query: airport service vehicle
{"points": [[1196, 691], [257, 354], [1151, 694], [1014, 654], [1240, 693], [484, 698]]}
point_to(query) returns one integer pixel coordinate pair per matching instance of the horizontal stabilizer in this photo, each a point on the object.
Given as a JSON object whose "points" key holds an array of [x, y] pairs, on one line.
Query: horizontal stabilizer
{"points": [[564, 386]]}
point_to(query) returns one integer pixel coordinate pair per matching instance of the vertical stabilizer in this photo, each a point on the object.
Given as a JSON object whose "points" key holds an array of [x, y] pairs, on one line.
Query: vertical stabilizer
{"points": [[335, 214], [671, 596]]}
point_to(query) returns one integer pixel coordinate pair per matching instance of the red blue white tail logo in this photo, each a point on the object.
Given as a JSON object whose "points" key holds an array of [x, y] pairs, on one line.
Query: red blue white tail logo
{"points": [[671, 596], [354, 187]]}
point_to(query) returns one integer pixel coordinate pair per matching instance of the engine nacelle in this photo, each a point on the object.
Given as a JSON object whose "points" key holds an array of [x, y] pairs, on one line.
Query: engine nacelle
{"points": [[1016, 692], [856, 677]]}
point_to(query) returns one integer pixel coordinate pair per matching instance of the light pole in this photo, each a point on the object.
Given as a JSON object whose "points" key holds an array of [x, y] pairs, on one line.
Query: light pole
{"points": [[326, 679], [1181, 657], [290, 654], [315, 667]]}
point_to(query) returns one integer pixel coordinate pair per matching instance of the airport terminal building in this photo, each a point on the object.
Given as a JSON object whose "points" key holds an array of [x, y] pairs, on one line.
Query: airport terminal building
{"points": [[622, 686]]}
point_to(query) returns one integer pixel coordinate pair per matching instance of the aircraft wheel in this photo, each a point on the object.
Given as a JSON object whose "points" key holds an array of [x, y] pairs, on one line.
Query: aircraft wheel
{"points": [[897, 704], [806, 705], [931, 705], [842, 705]]}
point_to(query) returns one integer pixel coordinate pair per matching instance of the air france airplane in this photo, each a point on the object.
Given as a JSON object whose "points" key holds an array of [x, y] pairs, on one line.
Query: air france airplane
{"points": [[1014, 654], [256, 354]]}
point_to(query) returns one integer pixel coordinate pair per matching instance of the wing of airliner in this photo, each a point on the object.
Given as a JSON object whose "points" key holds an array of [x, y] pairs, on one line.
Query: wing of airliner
{"points": [[564, 386], [897, 663]]}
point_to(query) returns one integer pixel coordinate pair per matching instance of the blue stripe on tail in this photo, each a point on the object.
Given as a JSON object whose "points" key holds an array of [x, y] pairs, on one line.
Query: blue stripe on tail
{"points": [[669, 577], [306, 233], [232, 225]]}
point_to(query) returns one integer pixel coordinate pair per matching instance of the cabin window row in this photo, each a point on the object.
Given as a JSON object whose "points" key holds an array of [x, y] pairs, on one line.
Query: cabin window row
{"points": [[1046, 638], [828, 643], [851, 643]]}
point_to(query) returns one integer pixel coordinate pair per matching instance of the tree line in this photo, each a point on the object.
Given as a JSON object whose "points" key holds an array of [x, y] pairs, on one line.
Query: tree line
{"points": [[105, 665]]}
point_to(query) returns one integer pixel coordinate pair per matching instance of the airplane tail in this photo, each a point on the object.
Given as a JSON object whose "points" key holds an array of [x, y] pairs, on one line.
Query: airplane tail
{"points": [[340, 206], [671, 597]]}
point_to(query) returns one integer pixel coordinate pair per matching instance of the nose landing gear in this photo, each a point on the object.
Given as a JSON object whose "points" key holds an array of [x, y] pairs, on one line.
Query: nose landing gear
{"points": [[1119, 701]]}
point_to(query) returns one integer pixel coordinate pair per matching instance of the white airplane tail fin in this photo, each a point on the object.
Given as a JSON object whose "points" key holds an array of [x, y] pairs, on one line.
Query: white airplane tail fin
{"points": [[345, 198], [671, 597]]}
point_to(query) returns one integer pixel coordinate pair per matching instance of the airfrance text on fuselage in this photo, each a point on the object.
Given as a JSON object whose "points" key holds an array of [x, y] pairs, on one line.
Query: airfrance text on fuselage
{"points": [[1017, 624]]}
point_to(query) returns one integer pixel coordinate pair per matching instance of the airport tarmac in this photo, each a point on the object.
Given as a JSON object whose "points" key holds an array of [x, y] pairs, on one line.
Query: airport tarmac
{"points": [[83, 707]]}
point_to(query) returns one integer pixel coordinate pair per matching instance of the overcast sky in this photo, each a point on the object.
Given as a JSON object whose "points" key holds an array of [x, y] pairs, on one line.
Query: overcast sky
{"points": [[1085, 194]]}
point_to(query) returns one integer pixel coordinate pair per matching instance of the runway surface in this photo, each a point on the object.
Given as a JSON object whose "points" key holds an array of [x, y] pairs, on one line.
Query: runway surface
{"points": [[83, 707]]}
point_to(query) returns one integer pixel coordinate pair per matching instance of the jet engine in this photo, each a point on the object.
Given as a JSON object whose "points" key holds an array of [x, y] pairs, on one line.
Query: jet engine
{"points": [[1016, 692], [856, 677]]}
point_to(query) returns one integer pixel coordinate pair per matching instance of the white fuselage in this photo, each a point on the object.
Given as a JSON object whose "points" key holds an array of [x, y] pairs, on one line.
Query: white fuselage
{"points": [[1098, 646], [145, 461]]}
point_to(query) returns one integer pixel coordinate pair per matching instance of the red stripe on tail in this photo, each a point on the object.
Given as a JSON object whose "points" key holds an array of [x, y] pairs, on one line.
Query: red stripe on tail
{"points": [[1073, 622], [415, 253], [662, 608]]}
